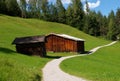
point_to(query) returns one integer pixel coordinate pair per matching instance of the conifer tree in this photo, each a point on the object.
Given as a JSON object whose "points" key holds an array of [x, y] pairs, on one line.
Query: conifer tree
{"points": [[86, 24], [86, 18], [13, 8], [3, 9], [111, 26], [117, 22], [60, 11], [104, 27], [33, 8], [39, 8], [87, 7], [78, 14], [69, 16], [23, 8], [53, 13], [45, 9], [99, 18], [93, 24]]}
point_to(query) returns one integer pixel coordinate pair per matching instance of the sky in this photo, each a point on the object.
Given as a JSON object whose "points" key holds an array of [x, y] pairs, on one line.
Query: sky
{"points": [[104, 6]]}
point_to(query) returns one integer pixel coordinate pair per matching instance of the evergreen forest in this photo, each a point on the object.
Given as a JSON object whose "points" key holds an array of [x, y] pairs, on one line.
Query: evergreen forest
{"points": [[88, 21]]}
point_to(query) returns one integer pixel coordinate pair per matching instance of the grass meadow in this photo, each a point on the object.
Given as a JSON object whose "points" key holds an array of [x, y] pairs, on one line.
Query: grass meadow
{"points": [[19, 67], [103, 65]]}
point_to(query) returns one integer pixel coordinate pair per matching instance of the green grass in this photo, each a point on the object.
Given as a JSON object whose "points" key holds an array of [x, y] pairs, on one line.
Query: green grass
{"points": [[103, 65], [18, 67]]}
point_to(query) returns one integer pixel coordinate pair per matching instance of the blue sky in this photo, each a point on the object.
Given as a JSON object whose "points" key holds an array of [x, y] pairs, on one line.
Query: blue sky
{"points": [[104, 6]]}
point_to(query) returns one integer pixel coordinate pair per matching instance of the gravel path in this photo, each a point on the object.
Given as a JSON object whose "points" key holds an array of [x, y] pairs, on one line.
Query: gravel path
{"points": [[52, 72]]}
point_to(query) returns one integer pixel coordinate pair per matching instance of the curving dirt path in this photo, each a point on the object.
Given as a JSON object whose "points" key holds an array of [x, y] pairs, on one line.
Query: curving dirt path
{"points": [[52, 72]]}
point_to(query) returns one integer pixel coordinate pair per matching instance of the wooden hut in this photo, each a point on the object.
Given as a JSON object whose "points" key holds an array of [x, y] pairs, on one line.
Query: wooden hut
{"points": [[33, 45], [64, 43]]}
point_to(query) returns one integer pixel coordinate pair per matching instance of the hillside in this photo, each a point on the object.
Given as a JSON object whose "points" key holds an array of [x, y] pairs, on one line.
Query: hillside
{"points": [[20, 67], [103, 65]]}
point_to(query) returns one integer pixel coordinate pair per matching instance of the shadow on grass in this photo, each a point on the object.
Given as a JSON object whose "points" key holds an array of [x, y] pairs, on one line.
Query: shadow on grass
{"points": [[57, 57], [86, 52], [6, 50], [53, 57], [1, 14], [37, 78]]}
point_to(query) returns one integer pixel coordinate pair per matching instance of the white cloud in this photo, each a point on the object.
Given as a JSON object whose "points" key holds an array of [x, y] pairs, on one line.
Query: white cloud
{"points": [[66, 1], [92, 5], [69, 1], [63, 1]]}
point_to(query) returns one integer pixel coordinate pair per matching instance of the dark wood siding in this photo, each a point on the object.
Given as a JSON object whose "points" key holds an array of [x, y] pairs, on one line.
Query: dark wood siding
{"points": [[32, 49], [80, 46], [31, 45], [60, 44]]}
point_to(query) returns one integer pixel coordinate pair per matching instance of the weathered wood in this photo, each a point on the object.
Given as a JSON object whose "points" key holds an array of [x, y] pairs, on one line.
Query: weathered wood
{"points": [[32, 49], [33, 45], [57, 43]]}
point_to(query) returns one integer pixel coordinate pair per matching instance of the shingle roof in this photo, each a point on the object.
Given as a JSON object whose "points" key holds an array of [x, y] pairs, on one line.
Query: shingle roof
{"points": [[30, 39], [68, 37]]}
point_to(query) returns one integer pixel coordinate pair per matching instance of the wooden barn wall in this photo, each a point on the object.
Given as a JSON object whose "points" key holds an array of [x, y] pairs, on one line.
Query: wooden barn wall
{"points": [[80, 46], [32, 49], [60, 44]]}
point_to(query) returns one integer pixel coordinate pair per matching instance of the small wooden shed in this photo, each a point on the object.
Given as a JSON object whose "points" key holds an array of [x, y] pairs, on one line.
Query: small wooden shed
{"points": [[32, 45], [64, 43]]}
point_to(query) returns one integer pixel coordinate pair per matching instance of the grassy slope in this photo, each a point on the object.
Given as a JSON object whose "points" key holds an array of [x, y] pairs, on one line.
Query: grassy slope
{"points": [[14, 66], [104, 65]]}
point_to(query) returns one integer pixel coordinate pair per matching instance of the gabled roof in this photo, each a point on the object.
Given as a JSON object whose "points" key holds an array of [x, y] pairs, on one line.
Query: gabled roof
{"points": [[68, 37], [30, 39]]}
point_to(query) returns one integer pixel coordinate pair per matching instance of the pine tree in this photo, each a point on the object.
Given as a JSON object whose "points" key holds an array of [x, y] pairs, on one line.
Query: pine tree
{"points": [[78, 14], [39, 8], [104, 27], [86, 24], [86, 18], [13, 8], [53, 13], [69, 16], [3, 9], [87, 7], [60, 11], [99, 18], [33, 8], [111, 27], [23, 8], [45, 9], [93, 24], [117, 23]]}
